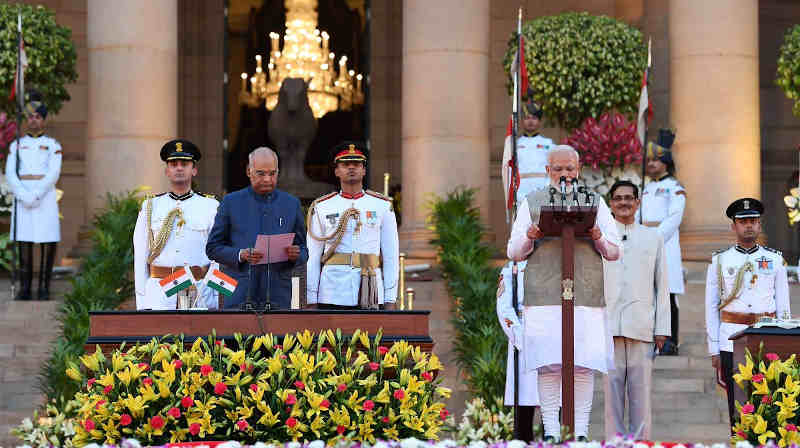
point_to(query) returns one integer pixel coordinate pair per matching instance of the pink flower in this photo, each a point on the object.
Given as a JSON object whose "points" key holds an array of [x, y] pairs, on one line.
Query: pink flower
{"points": [[340, 429], [125, 419], [206, 369], [399, 394], [242, 425], [277, 347], [157, 422], [385, 419], [444, 413], [368, 405], [174, 412], [341, 387], [325, 404], [187, 402], [766, 399], [323, 349], [90, 382], [220, 388], [177, 363], [194, 429], [374, 366], [243, 367], [291, 399], [291, 422], [147, 381], [791, 427], [427, 376], [107, 390], [99, 403], [772, 356], [299, 384], [283, 356], [254, 387], [742, 434], [217, 342], [143, 365], [383, 350], [758, 377], [88, 425], [748, 408]]}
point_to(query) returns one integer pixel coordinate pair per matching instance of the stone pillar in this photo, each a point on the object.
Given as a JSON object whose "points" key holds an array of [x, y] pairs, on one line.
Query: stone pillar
{"points": [[133, 93], [714, 107], [445, 118]]}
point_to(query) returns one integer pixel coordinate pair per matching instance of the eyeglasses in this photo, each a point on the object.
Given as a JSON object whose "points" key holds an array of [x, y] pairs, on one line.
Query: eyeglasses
{"points": [[627, 197]]}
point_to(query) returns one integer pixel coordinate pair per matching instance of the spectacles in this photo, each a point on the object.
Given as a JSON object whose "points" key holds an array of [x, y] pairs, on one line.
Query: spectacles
{"points": [[627, 197]]}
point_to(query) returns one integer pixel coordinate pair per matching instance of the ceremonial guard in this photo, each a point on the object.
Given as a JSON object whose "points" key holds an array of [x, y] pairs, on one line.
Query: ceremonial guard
{"points": [[743, 284], [532, 149], [35, 213], [663, 202], [509, 321], [171, 233], [353, 253]]}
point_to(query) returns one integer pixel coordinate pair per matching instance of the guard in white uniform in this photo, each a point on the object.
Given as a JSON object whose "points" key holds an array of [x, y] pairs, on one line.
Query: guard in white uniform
{"points": [[353, 248], [532, 149], [509, 321], [663, 202], [171, 232], [34, 217], [743, 284]]}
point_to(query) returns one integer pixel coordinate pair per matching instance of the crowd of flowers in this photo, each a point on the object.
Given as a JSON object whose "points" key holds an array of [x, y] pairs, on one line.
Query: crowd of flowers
{"points": [[608, 142], [305, 387]]}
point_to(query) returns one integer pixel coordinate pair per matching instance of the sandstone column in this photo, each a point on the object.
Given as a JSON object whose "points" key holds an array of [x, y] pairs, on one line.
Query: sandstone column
{"points": [[445, 121], [714, 106], [133, 92]]}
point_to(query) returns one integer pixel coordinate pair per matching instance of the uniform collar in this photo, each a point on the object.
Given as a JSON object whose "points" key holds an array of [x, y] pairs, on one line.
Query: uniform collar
{"points": [[741, 249], [529, 134], [352, 195], [664, 177], [182, 197], [35, 134]]}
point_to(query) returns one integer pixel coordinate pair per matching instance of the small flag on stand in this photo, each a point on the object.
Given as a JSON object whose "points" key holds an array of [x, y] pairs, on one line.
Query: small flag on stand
{"points": [[222, 283], [178, 281]]}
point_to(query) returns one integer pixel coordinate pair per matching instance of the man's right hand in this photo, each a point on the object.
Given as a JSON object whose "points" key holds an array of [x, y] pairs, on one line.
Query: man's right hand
{"points": [[715, 362], [250, 256], [534, 233]]}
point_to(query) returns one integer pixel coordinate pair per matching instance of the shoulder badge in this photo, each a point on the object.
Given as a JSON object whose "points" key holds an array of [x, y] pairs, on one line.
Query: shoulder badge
{"points": [[719, 251], [780, 254], [318, 200], [378, 195]]}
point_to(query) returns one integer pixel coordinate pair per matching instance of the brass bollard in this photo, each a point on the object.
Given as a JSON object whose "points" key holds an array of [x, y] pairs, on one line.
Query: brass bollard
{"points": [[410, 292], [386, 184], [401, 290]]}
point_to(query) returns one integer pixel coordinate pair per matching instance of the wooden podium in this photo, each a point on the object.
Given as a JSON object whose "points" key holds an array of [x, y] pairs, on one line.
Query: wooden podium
{"points": [[109, 329], [783, 342], [568, 223]]}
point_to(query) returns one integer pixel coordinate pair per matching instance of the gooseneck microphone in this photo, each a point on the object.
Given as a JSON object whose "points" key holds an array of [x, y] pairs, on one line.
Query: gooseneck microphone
{"points": [[563, 183]]}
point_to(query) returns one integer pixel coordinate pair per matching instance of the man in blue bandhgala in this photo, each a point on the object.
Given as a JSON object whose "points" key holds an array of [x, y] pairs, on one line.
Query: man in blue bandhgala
{"points": [[242, 216]]}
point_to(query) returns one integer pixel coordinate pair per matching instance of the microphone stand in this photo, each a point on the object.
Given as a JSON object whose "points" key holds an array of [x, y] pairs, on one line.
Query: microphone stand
{"points": [[268, 303], [248, 301]]}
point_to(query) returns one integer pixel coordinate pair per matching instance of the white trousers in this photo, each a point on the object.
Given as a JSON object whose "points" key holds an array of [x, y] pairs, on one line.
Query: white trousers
{"points": [[550, 399], [632, 376]]}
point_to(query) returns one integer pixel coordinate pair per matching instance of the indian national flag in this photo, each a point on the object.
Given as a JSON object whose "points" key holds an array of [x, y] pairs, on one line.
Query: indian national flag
{"points": [[178, 281], [222, 283]]}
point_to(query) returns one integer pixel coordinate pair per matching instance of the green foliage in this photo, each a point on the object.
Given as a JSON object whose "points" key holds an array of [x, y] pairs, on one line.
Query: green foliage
{"points": [[50, 51], [580, 66], [103, 284], [480, 343], [6, 252], [789, 67]]}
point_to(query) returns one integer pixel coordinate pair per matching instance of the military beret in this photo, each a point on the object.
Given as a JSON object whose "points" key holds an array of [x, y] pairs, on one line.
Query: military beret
{"points": [[180, 149], [745, 208], [36, 107], [349, 152], [532, 109]]}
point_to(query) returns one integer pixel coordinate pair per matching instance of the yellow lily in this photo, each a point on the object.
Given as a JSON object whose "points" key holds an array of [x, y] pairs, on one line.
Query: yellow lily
{"points": [[305, 338], [434, 363], [74, 374], [107, 379], [761, 388], [364, 339], [91, 361], [745, 372], [414, 423], [444, 392], [788, 437]]}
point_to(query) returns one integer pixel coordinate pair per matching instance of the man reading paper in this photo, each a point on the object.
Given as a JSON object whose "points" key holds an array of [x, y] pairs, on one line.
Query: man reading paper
{"points": [[260, 209]]}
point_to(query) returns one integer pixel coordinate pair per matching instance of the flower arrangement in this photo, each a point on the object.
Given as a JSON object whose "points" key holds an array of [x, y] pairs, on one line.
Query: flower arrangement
{"points": [[770, 411], [54, 429], [792, 201], [305, 387], [788, 70], [608, 142], [481, 423], [601, 180]]}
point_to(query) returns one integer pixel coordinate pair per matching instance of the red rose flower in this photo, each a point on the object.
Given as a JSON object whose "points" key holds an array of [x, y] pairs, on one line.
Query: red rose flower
{"points": [[283, 356], [299, 384], [99, 403], [399, 394], [125, 419], [107, 390], [243, 367], [147, 381], [291, 422], [218, 342], [206, 369], [157, 422], [194, 429], [174, 412], [368, 405], [444, 413], [187, 402], [291, 399], [385, 419], [427, 376], [748, 408], [220, 388], [340, 429], [766, 399], [758, 377], [383, 350], [791, 427], [742, 434], [323, 349], [88, 425], [177, 363], [254, 387], [242, 425], [341, 387], [325, 404], [277, 347], [772, 356], [143, 366], [90, 382], [374, 366]]}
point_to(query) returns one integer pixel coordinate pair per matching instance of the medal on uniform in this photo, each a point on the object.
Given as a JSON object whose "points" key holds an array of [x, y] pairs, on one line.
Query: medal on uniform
{"points": [[731, 271], [372, 218]]}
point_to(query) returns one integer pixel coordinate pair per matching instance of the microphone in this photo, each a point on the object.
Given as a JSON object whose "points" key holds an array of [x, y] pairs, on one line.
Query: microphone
{"points": [[563, 183], [552, 195], [575, 190]]}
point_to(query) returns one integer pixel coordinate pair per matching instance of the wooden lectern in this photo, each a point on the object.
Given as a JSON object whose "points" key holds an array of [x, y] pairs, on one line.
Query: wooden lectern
{"points": [[568, 223], [783, 342], [109, 329]]}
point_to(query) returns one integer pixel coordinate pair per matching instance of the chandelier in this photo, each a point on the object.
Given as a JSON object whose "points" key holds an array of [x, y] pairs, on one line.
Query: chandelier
{"points": [[306, 55]]}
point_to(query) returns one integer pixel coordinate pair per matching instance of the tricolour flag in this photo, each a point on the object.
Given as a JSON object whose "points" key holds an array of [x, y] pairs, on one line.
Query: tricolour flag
{"points": [[179, 280], [645, 109], [222, 283]]}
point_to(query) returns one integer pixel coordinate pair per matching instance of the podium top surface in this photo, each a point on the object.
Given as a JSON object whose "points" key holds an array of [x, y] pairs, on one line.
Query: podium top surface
{"points": [[263, 313], [771, 331]]}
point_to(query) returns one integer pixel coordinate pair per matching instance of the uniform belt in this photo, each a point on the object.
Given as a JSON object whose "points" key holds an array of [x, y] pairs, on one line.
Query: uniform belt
{"points": [[730, 317], [651, 223], [532, 175], [31, 177], [198, 272], [355, 260]]}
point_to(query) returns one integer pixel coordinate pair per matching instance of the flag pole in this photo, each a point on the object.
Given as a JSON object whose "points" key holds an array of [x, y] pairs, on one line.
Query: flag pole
{"points": [[18, 90], [513, 195], [644, 139]]}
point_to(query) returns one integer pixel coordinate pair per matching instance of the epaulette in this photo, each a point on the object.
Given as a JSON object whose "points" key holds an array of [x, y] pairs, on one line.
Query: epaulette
{"points": [[719, 251], [160, 194], [378, 195], [206, 195], [318, 200], [772, 250]]}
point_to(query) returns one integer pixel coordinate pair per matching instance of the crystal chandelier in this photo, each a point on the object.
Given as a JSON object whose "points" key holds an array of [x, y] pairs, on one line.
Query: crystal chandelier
{"points": [[305, 55]]}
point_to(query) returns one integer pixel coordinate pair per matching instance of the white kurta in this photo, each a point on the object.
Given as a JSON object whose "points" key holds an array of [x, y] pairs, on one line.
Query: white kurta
{"points": [[663, 201], [186, 246], [542, 342], [531, 160], [377, 234], [528, 389], [37, 208], [765, 289]]}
